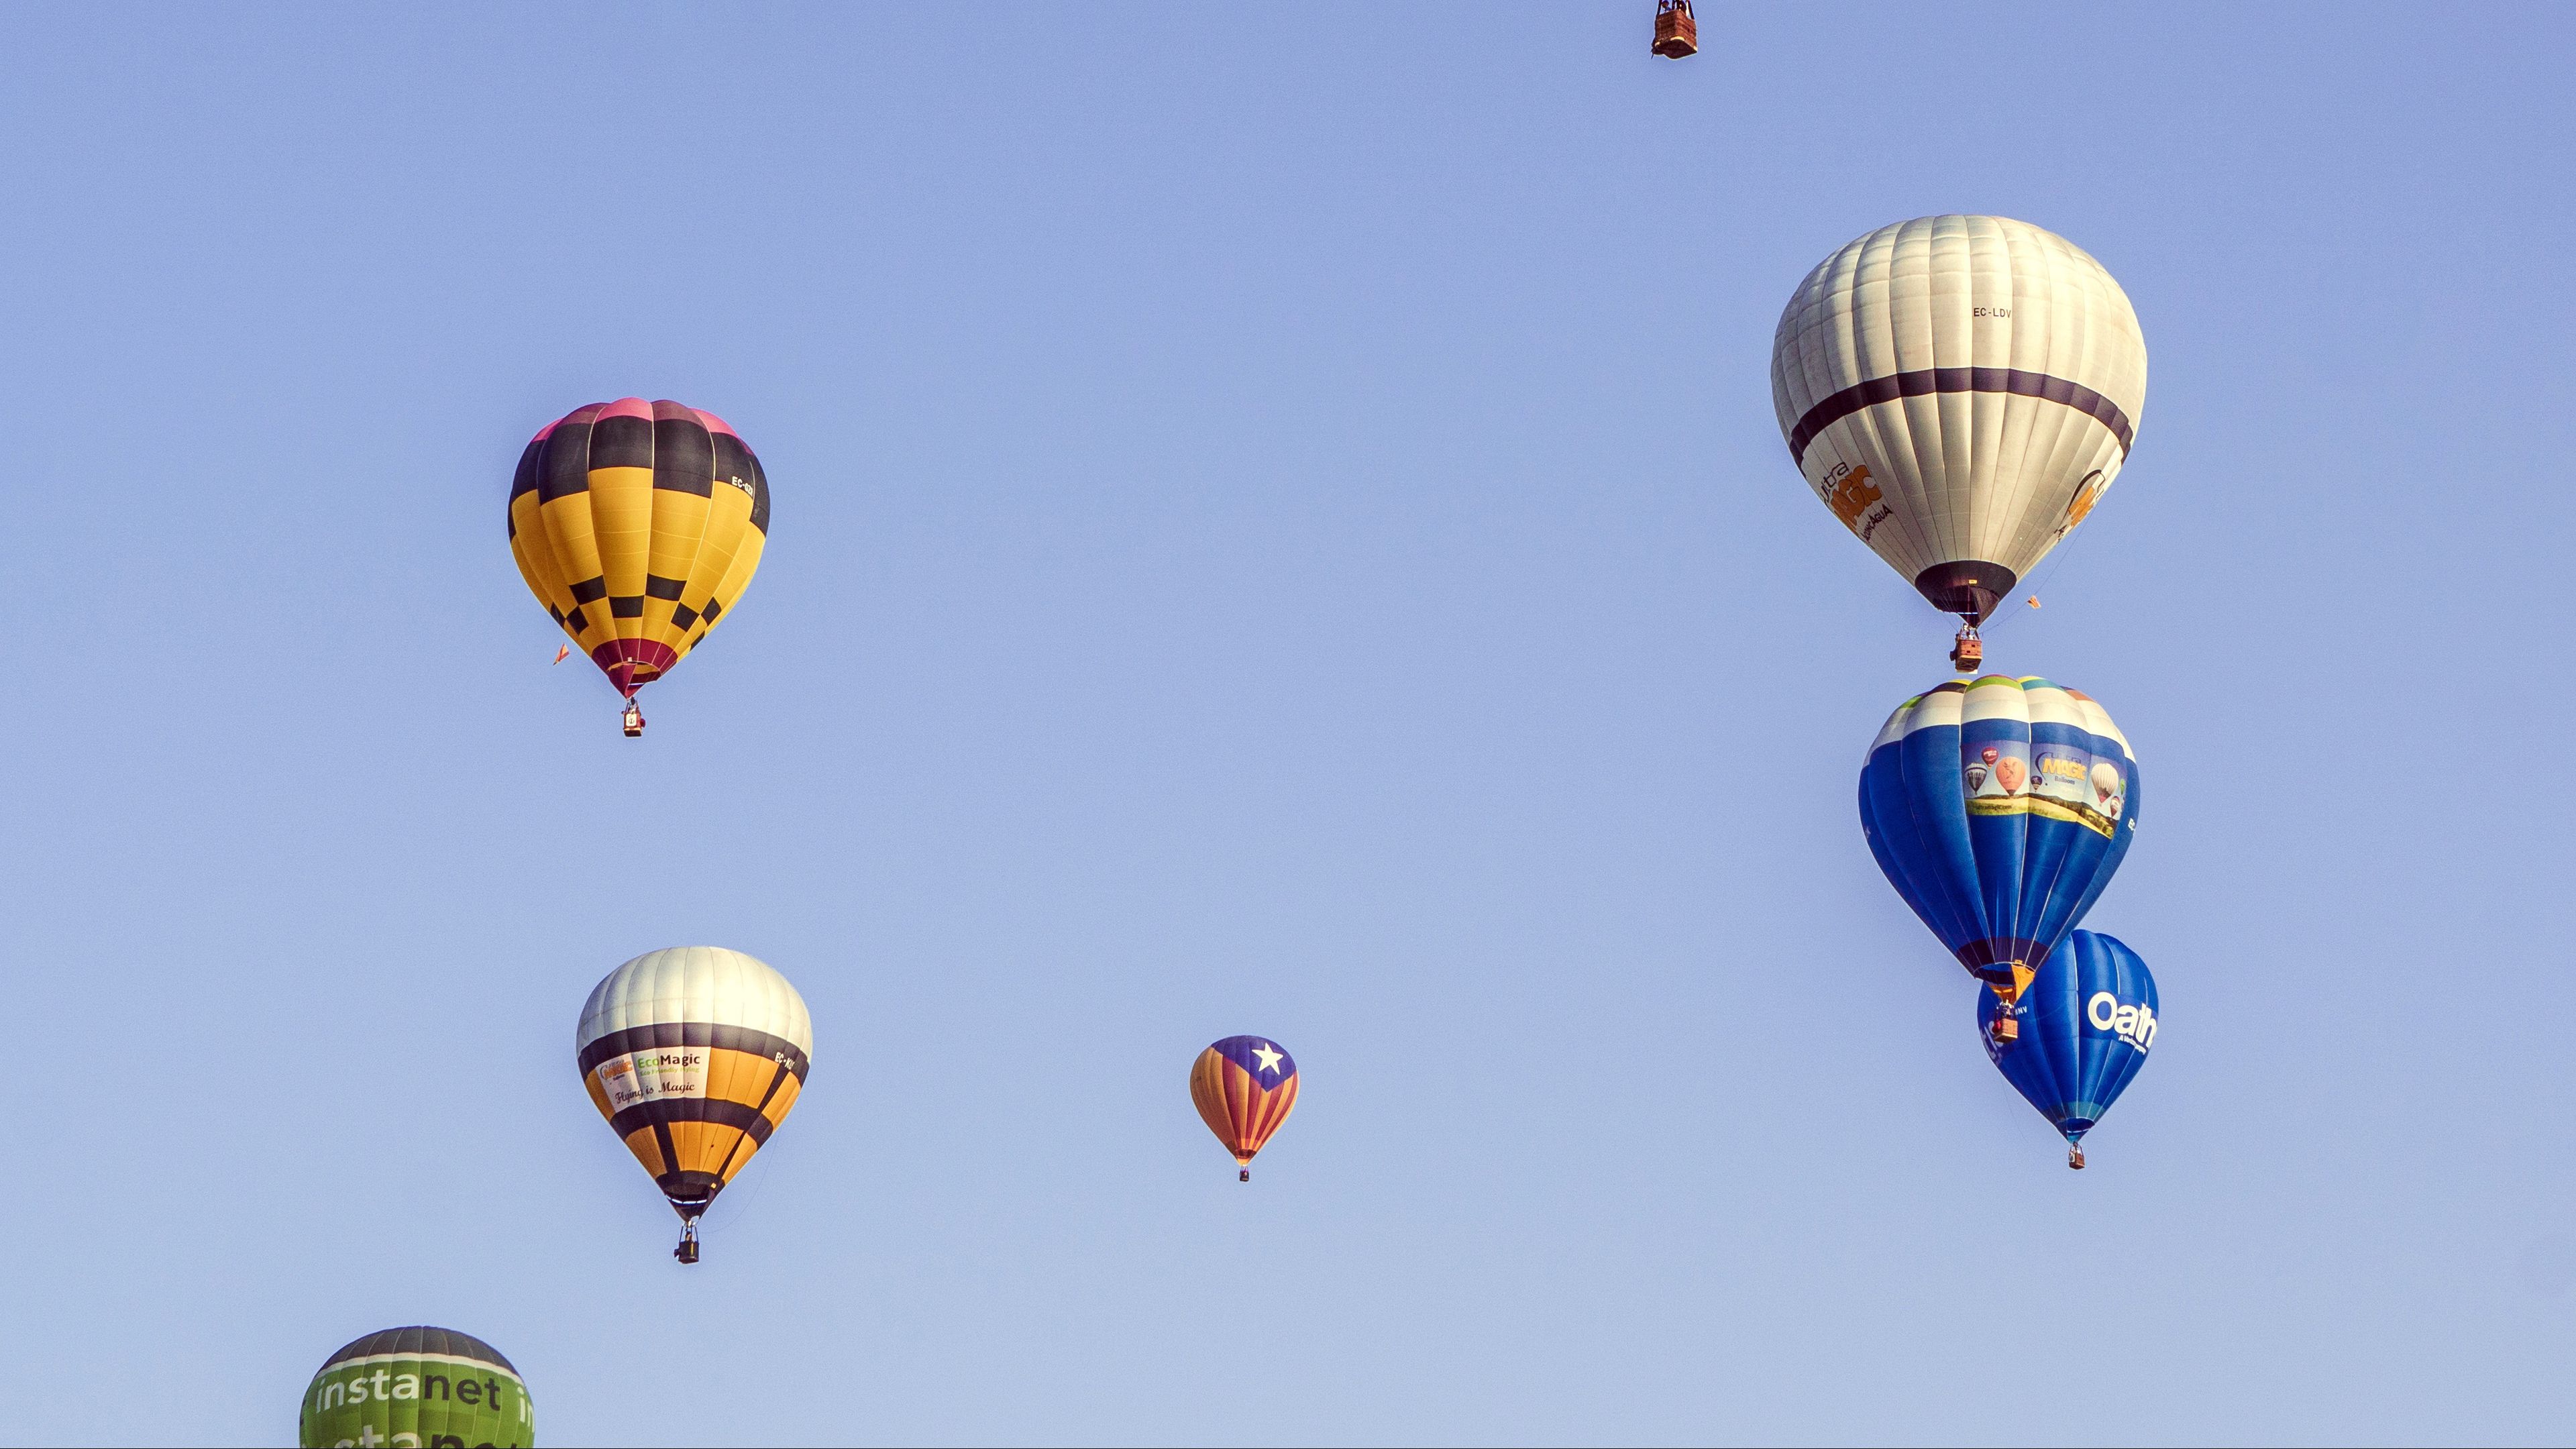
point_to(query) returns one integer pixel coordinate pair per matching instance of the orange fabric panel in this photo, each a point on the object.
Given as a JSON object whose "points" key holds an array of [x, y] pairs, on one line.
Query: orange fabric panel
{"points": [[703, 1146], [785, 1101], [734, 1076], [689, 1145], [742, 1154], [646, 1150], [621, 520]]}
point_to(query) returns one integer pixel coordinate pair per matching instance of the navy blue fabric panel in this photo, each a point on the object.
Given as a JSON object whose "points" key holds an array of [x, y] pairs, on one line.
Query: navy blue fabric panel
{"points": [[2116, 849], [1911, 858], [2125, 976], [2056, 866], [1247, 1052], [2046, 1064], [2065, 858], [1947, 863]]}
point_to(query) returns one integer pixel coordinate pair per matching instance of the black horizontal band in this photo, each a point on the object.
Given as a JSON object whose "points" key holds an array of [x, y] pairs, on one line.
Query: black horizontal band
{"points": [[689, 1034], [424, 1339], [1932, 380], [684, 459], [1967, 587], [563, 464], [530, 459], [621, 440], [691, 1192], [736, 466], [1992, 959], [691, 1109]]}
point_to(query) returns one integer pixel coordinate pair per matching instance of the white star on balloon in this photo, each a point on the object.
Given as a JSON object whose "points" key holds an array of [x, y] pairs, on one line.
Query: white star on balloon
{"points": [[1269, 1057]]}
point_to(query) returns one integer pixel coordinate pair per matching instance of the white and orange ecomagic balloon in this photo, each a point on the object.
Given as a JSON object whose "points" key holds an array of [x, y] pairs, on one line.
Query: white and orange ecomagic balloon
{"points": [[695, 1055], [1959, 390]]}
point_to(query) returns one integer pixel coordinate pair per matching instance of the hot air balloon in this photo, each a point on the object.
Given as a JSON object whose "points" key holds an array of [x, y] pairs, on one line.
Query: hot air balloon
{"points": [[694, 1055], [2085, 1027], [1999, 809], [638, 525], [417, 1386], [1245, 1086], [1959, 390]]}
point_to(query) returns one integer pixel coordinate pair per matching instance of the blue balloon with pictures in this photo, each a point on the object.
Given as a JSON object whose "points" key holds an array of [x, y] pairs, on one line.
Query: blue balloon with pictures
{"points": [[1999, 809]]}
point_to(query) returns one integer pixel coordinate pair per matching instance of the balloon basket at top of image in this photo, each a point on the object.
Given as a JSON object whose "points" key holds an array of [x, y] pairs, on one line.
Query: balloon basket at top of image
{"points": [[2087, 1023], [638, 525], [1676, 30], [1999, 809], [1244, 1087], [1959, 391]]}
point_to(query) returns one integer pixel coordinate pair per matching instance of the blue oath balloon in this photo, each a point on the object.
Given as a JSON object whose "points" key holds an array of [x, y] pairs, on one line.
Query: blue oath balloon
{"points": [[2000, 809], [2087, 1023]]}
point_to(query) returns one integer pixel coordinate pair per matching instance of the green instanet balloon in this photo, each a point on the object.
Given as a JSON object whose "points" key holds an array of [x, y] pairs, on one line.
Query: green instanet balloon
{"points": [[417, 1388]]}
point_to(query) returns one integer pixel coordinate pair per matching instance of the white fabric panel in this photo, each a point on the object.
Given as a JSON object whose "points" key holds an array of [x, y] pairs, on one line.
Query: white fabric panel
{"points": [[2097, 719], [1984, 475], [1896, 728], [1930, 711], [696, 984], [1996, 696], [2027, 698]]}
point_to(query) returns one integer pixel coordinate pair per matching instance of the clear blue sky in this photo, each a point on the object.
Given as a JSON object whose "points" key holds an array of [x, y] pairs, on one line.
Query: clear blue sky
{"points": [[1279, 528]]}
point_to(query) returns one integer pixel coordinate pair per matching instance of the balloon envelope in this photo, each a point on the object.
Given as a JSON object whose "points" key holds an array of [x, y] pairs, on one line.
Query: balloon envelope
{"points": [[1959, 390], [695, 1055], [419, 1386], [1999, 809], [1244, 1087], [2087, 1023], [638, 525]]}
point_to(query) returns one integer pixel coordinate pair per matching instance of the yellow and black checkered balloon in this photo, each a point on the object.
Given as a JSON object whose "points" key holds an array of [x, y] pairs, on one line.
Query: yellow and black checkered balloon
{"points": [[638, 525]]}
